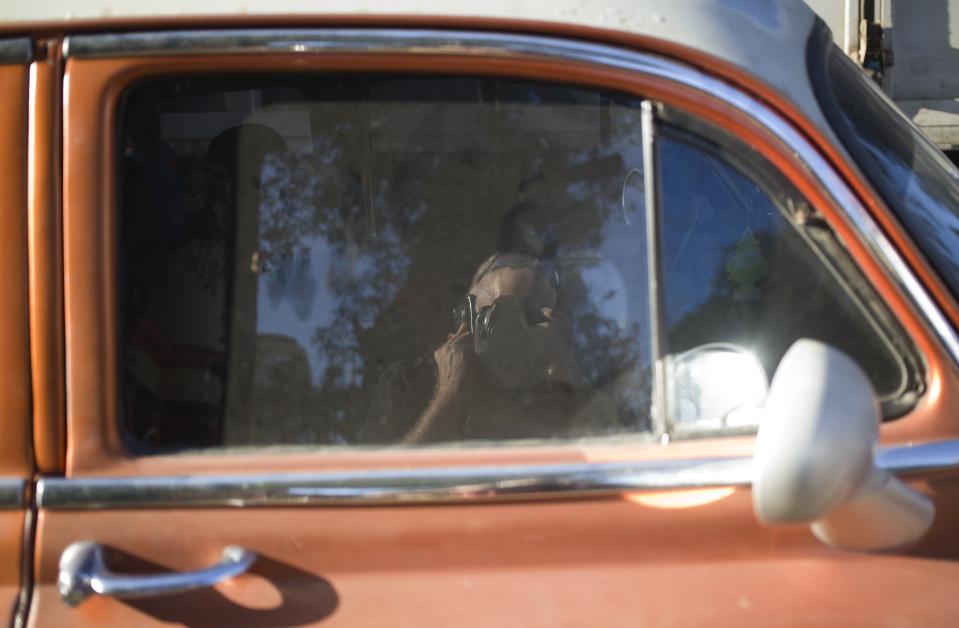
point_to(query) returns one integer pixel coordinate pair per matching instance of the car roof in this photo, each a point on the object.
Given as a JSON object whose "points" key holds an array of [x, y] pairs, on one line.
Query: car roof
{"points": [[765, 38]]}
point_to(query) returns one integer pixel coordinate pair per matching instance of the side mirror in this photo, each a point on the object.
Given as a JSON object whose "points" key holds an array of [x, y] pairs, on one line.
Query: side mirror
{"points": [[814, 458]]}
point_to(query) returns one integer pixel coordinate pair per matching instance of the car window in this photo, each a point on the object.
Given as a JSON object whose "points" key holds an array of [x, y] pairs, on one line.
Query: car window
{"points": [[747, 269], [298, 252], [377, 260]]}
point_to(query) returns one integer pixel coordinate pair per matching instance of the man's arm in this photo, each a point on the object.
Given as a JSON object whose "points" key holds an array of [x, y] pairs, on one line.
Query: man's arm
{"points": [[457, 376]]}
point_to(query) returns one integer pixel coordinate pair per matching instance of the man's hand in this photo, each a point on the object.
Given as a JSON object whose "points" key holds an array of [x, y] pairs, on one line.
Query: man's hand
{"points": [[457, 369], [457, 382]]}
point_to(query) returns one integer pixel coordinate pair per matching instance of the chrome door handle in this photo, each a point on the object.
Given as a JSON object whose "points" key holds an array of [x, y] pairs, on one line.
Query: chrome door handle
{"points": [[83, 573]]}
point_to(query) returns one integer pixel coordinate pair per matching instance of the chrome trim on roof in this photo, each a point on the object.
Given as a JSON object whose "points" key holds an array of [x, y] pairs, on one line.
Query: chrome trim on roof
{"points": [[16, 51], [11, 493], [448, 485], [260, 41]]}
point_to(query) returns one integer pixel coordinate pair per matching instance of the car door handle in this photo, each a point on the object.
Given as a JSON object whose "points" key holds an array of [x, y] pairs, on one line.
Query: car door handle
{"points": [[83, 573]]}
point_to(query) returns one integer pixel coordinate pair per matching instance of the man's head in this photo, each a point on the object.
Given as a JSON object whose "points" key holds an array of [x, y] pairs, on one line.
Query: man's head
{"points": [[519, 339], [530, 281]]}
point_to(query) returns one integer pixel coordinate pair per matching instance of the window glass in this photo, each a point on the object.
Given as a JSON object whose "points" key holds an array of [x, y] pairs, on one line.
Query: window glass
{"points": [[375, 260], [919, 183], [359, 260], [741, 277]]}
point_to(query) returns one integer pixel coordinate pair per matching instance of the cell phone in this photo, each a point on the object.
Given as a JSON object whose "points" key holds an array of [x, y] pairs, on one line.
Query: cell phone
{"points": [[465, 312], [470, 313]]}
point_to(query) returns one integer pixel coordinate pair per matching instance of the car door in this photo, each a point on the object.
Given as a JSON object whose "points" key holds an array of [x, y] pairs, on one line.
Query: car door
{"points": [[263, 233], [16, 463]]}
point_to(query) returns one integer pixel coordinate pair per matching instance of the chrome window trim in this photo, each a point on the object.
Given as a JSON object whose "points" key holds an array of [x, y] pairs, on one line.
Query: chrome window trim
{"points": [[661, 413], [520, 482], [11, 493], [16, 51], [449, 485], [280, 41]]}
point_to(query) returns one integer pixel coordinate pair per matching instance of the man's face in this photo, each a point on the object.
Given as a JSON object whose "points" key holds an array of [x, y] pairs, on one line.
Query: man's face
{"points": [[531, 285], [522, 347]]}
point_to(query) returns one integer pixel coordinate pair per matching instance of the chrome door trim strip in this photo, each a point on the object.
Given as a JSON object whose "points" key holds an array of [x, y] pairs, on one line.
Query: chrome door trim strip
{"points": [[11, 493], [16, 51], [919, 458], [447, 485], [514, 45]]}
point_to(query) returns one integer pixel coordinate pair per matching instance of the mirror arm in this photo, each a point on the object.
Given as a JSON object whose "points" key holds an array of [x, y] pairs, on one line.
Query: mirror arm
{"points": [[885, 514]]}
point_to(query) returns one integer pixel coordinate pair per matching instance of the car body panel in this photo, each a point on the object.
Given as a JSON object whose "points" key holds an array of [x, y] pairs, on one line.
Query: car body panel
{"points": [[15, 456], [11, 560], [619, 562], [46, 260], [16, 465]]}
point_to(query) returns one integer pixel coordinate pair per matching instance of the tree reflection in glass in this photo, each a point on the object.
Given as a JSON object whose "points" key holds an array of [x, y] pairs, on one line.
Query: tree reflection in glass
{"points": [[337, 252]]}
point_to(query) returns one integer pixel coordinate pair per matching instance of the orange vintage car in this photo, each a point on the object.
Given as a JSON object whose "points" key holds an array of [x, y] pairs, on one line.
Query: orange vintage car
{"points": [[470, 314]]}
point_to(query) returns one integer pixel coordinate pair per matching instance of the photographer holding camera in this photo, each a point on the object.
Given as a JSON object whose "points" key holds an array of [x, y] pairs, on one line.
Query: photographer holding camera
{"points": [[506, 371]]}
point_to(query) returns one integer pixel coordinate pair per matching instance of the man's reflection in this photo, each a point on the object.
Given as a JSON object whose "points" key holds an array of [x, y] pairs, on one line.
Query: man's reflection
{"points": [[506, 371]]}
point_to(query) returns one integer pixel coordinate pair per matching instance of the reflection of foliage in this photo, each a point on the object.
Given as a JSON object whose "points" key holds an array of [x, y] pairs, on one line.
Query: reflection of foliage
{"points": [[403, 201], [747, 266], [742, 274], [798, 299], [204, 255], [437, 219], [608, 355], [284, 390], [392, 291], [204, 259], [722, 316], [322, 199], [287, 212]]}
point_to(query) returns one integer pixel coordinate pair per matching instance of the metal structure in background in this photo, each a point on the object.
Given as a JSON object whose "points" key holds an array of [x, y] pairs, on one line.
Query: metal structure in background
{"points": [[911, 49]]}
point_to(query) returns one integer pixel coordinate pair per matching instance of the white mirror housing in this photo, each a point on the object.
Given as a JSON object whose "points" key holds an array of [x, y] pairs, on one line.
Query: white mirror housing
{"points": [[814, 458]]}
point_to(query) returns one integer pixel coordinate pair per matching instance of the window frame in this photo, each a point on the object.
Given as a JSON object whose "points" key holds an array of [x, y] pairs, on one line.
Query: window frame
{"points": [[100, 68], [213, 84], [662, 121]]}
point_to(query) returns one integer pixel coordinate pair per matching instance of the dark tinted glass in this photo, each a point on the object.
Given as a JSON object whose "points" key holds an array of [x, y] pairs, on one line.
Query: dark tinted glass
{"points": [[737, 270], [915, 179], [293, 247]]}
